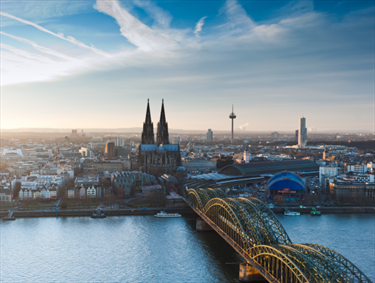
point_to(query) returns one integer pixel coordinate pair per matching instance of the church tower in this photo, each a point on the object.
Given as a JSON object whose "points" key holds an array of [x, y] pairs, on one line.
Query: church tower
{"points": [[148, 128], [162, 133]]}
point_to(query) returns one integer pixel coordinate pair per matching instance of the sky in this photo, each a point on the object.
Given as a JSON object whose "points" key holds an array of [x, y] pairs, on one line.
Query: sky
{"points": [[94, 64]]}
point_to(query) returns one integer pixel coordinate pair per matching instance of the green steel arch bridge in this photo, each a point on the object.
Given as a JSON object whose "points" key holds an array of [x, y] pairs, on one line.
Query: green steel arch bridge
{"points": [[254, 231]]}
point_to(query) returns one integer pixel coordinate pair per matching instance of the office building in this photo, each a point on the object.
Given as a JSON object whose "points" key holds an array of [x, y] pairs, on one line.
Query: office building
{"points": [[302, 137], [110, 150], [209, 136], [119, 141]]}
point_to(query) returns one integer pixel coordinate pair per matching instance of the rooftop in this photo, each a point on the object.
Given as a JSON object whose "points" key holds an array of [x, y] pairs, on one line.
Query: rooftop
{"points": [[266, 167]]}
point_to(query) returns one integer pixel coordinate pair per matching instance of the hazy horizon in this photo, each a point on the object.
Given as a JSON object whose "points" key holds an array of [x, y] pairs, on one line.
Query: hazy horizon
{"points": [[171, 130], [94, 64]]}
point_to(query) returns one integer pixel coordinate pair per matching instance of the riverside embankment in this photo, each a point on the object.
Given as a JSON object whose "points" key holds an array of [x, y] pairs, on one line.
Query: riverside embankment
{"points": [[151, 211], [89, 212], [327, 209]]}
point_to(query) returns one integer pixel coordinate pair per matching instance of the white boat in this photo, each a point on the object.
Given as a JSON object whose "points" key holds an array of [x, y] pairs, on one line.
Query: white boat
{"points": [[163, 214], [291, 213]]}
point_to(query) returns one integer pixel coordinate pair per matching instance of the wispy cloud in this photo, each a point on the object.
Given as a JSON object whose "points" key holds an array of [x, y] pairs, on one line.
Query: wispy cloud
{"points": [[134, 30], [20, 66], [59, 35], [238, 20], [38, 47], [40, 11], [162, 17], [294, 61], [199, 25]]}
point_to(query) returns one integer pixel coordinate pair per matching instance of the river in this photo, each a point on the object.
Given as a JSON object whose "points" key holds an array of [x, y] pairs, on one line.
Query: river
{"points": [[148, 249]]}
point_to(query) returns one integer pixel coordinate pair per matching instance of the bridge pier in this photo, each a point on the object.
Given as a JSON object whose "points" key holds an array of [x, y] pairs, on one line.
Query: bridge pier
{"points": [[201, 225], [249, 274]]}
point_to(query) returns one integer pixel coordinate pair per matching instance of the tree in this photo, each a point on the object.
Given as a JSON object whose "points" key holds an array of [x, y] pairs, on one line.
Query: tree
{"points": [[16, 190], [77, 171], [105, 181], [61, 192], [159, 197], [64, 205], [70, 184]]}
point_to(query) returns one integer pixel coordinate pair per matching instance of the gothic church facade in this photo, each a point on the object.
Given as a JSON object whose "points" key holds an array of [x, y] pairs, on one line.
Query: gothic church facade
{"points": [[160, 157]]}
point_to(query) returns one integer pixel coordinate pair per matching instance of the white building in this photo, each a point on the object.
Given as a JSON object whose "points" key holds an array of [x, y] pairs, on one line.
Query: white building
{"points": [[356, 168], [44, 193], [91, 192], [328, 171], [25, 194], [71, 193], [210, 135], [119, 141], [86, 152], [7, 151], [370, 166], [53, 193], [302, 133], [246, 156], [360, 178], [37, 194], [29, 185]]}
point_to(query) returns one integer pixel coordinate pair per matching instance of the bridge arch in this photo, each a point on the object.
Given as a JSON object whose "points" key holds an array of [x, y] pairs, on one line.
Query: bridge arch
{"points": [[334, 272], [223, 215], [309, 269], [352, 272], [260, 224], [249, 223], [220, 193], [277, 264], [205, 197], [272, 222], [212, 193], [195, 199], [255, 232]]}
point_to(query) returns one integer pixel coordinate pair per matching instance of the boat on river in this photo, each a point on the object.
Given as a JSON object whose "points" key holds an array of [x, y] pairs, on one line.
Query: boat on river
{"points": [[315, 212], [291, 213], [163, 214], [98, 214]]}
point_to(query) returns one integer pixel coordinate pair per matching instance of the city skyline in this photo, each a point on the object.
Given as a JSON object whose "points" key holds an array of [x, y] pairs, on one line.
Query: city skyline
{"points": [[94, 64]]}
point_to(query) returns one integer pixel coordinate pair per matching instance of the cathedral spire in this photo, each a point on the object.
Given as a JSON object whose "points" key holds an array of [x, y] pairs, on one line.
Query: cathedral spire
{"points": [[148, 127], [148, 114], [162, 133], [162, 113]]}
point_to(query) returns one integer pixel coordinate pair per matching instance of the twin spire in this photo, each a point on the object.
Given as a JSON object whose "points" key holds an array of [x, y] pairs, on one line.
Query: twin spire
{"points": [[162, 136]]}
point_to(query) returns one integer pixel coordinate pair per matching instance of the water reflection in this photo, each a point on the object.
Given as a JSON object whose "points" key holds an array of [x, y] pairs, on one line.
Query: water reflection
{"points": [[146, 249]]}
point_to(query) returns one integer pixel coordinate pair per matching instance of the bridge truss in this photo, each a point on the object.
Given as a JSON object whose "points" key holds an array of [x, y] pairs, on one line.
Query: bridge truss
{"points": [[254, 231]]}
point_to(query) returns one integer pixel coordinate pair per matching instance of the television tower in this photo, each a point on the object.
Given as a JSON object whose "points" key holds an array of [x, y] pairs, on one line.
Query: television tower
{"points": [[232, 116]]}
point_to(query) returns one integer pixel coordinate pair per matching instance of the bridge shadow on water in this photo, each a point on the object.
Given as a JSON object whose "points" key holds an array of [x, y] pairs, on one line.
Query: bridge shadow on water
{"points": [[223, 259]]}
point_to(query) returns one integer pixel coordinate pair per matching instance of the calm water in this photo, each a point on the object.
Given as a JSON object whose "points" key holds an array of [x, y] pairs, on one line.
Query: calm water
{"points": [[146, 249]]}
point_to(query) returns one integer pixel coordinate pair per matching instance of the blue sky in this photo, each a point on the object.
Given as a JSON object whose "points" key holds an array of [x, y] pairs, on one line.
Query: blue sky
{"points": [[93, 64]]}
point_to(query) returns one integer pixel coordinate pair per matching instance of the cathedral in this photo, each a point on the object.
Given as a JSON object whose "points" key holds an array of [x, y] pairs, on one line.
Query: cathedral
{"points": [[160, 157]]}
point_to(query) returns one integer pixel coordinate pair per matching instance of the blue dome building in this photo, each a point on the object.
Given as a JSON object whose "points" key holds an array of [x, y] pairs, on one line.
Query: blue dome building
{"points": [[286, 184]]}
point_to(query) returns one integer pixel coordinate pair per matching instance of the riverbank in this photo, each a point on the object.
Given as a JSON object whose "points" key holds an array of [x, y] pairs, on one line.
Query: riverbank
{"points": [[327, 209], [89, 212], [153, 211]]}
